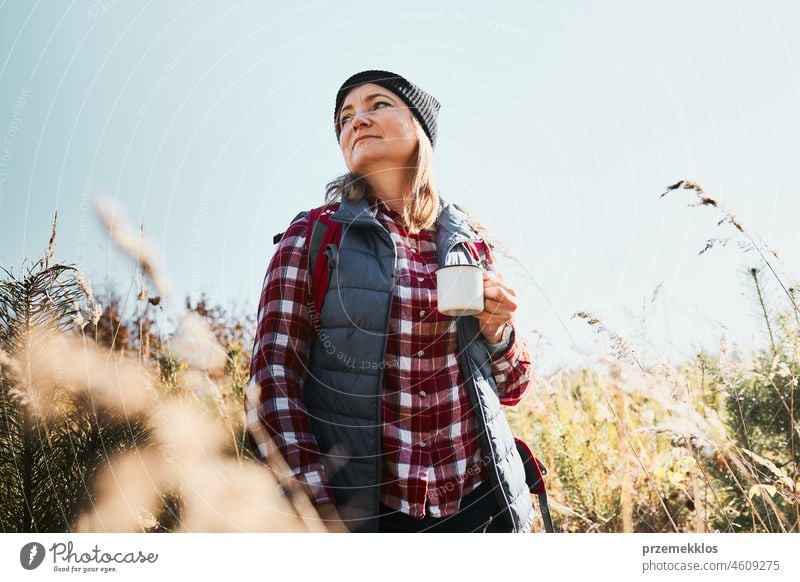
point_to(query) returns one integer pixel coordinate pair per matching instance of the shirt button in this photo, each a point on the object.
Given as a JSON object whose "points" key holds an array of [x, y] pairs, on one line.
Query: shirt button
{"points": [[420, 279], [413, 250], [422, 313], [422, 394], [423, 444], [420, 353]]}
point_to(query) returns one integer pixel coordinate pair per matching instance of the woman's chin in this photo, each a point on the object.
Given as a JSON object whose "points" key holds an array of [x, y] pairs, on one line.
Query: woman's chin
{"points": [[364, 164]]}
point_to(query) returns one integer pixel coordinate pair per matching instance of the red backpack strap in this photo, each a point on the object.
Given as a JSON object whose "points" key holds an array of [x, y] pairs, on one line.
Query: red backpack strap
{"points": [[472, 249], [480, 251], [323, 236]]}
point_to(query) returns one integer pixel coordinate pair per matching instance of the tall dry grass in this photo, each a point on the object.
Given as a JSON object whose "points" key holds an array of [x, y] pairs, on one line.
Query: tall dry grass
{"points": [[106, 426], [710, 445]]}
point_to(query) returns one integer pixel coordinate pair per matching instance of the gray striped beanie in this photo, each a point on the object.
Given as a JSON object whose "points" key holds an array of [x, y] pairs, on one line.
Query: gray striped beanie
{"points": [[425, 107]]}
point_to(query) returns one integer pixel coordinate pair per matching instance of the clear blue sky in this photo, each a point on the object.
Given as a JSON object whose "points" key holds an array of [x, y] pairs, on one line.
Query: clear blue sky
{"points": [[561, 124]]}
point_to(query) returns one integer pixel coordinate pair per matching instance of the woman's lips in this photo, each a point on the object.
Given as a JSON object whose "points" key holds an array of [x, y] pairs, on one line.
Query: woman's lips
{"points": [[361, 138]]}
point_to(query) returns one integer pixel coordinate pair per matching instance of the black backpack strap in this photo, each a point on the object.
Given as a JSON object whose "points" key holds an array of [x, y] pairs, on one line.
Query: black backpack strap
{"points": [[545, 511], [535, 471]]}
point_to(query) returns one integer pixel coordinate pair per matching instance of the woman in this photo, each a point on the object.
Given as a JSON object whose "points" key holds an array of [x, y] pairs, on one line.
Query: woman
{"points": [[393, 422]]}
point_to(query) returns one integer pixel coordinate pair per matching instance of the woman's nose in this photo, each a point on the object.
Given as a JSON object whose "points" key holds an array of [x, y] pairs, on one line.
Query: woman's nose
{"points": [[360, 119]]}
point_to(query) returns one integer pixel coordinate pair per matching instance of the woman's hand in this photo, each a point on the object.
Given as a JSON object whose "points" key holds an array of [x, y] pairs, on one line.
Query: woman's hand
{"points": [[499, 305]]}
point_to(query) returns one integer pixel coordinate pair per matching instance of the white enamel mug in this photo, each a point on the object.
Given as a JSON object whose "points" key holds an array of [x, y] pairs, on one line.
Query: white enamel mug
{"points": [[459, 290]]}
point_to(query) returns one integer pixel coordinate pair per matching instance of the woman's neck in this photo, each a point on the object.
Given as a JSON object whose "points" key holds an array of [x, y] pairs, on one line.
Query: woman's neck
{"points": [[391, 188]]}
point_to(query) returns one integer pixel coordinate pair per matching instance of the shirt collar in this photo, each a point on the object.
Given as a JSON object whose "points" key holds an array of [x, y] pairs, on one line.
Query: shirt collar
{"points": [[377, 205], [380, 211]]}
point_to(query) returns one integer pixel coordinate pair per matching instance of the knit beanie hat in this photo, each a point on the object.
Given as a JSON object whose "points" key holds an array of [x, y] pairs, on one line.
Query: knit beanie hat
{"points": [[425, 107]]}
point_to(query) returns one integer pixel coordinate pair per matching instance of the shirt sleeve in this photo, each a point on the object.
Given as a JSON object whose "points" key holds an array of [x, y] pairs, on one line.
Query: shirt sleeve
{"points": [[512, 369], [278, 367]]}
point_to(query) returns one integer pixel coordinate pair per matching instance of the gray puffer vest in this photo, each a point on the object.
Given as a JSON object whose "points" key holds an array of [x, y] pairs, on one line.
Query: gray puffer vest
{"points": [[343, 391]]}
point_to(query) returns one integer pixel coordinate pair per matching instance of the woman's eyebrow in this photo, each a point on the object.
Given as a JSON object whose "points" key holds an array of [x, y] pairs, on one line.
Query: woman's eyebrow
{"points": [[368, 97]]}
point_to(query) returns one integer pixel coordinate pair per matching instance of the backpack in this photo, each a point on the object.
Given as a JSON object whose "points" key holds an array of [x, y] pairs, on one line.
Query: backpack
{"points": [[322, 237]]}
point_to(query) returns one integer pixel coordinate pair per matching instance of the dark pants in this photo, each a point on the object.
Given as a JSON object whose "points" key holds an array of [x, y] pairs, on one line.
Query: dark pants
{"points": [[479, 512]]}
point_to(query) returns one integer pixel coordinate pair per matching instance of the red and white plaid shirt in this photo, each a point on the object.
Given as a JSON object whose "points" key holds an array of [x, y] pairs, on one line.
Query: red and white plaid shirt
{"points": [[430, 432]]}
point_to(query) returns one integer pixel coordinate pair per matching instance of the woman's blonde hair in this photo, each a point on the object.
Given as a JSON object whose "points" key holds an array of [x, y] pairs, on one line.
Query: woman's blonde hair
{"points": [[420, 209]]}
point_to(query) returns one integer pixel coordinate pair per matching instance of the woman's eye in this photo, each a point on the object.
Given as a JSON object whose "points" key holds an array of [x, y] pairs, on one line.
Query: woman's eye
{"points": [[348, 116]]}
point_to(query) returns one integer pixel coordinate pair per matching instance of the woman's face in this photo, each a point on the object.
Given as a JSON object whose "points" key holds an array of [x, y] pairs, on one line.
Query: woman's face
{"points": [[370, 110]]}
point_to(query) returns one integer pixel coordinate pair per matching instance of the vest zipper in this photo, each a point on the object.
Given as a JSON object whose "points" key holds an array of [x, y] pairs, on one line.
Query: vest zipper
{"points": [[379, 399], [485, 425]]}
